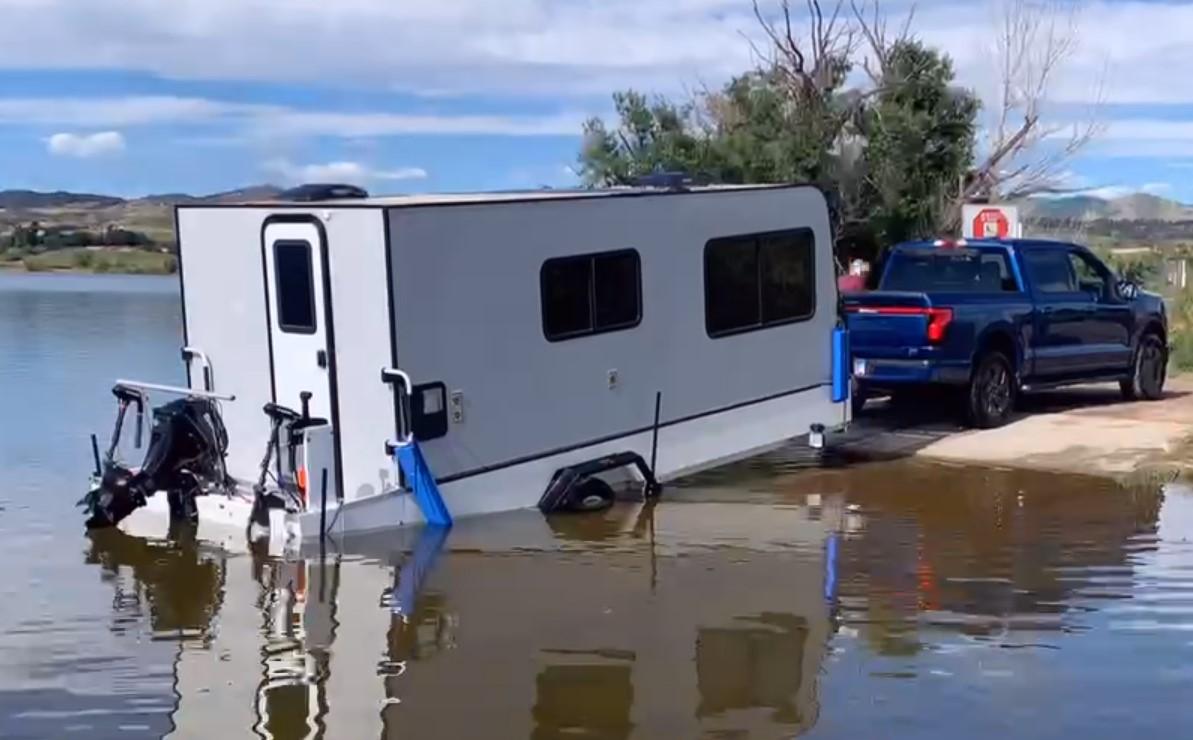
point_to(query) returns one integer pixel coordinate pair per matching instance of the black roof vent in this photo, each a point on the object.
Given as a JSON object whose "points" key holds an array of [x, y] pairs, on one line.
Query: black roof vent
{"points": [[664, 180], [319, 191]]}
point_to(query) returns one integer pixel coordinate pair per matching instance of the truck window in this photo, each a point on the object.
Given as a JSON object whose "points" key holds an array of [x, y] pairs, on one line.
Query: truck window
{"points": [[754, 281], [1090, 279], [590, 294], [1050, 270], [949, 271]]}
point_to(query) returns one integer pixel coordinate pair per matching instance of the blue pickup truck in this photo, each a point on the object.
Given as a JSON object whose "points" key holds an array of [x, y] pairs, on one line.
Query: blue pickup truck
{"points": [[991, 319]]}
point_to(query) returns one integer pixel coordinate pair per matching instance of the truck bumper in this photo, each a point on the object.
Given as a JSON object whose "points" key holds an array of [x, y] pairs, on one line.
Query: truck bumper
{"points": [[887, 373]]}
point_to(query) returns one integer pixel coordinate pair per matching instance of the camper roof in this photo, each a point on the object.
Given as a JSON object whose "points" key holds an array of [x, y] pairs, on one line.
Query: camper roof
{"points": [[393, 201]]}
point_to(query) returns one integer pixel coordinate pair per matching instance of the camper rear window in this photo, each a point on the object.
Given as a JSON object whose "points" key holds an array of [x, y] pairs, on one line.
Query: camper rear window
{"points": [[295, 286], [755, 281], [591, 294]]}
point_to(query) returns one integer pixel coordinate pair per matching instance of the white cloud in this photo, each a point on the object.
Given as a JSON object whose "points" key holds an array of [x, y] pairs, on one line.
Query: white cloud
{"points": [[268, 121], [353, 125], [1144, 138], [536, 47], [85, 146], [1156, 188], [523, 46], [345, 171]]}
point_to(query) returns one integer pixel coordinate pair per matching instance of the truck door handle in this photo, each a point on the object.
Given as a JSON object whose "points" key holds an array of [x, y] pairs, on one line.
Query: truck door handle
{"points": [[321, 358]]}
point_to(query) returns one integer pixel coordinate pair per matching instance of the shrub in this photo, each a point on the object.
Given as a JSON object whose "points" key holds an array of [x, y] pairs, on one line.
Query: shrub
{"points": [[1182, 350]]}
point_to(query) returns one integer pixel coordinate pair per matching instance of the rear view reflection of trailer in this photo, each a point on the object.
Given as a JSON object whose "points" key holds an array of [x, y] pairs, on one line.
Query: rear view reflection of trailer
{"points": [[511, 346]]}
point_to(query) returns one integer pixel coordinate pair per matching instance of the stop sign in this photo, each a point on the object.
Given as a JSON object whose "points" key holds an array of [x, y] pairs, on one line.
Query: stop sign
{"points": [[991, 223]]}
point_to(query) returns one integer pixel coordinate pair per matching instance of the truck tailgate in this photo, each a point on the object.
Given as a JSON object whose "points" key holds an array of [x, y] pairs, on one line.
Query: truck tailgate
{"points": [[888, 323]]}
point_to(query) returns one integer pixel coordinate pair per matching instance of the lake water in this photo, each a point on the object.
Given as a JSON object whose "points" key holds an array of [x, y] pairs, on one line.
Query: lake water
{"points": [[770, 599]]}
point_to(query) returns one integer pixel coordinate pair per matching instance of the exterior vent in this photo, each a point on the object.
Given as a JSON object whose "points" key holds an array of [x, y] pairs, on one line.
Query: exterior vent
{"points": [[317, 191]]}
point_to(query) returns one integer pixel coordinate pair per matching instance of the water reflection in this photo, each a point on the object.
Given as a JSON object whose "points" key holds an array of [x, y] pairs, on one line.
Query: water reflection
{"points": [[591, 697], [696, 617]]}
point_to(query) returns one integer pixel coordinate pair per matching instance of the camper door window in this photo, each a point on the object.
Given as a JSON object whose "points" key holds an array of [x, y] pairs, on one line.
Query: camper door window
{"points": [[755, 281], [591, 294], [295, 287]]}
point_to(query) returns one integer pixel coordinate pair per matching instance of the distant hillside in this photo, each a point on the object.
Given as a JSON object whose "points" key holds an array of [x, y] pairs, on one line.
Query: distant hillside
{"points": [[152, 215], [10, 199], [1086, 208]]}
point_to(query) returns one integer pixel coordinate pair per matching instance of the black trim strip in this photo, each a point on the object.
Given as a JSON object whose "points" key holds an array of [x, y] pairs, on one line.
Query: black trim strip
{"points": [[621, 435], [329, 317]]}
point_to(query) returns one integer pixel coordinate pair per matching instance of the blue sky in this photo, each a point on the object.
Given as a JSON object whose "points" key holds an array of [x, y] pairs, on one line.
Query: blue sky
{"points": [[141, 96]]}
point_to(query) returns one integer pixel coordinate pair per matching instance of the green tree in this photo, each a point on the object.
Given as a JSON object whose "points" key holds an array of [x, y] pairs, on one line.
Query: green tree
{"points": [[894, 153], [919, 135]]}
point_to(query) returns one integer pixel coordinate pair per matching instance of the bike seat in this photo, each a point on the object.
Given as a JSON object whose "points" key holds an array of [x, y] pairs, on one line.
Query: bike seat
{"points": [[280, 413]]}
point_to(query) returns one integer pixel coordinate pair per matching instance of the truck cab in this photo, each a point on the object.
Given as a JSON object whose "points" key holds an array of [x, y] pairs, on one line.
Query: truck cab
{"points": [[995, 318]]}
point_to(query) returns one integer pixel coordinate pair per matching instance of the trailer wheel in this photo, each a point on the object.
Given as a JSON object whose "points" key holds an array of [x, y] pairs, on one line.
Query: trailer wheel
{"points": [[593, 494], [990, 397], [1148, 371]]}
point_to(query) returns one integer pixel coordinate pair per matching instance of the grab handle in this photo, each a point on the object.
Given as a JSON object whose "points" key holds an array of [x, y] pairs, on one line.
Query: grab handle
{"points": [[194, 353], [400, 382]]}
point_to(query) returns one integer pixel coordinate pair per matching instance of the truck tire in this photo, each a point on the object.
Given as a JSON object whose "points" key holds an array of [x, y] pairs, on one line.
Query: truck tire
{"points": [[1148, 371], [990, 397]]}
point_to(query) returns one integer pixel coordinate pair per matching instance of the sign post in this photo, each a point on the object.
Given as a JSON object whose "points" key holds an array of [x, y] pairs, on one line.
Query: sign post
{"points": [[992, 221]]}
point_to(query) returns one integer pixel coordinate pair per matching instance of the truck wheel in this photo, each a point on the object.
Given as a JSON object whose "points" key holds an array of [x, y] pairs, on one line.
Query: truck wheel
{"points": [[1148, 372], [990, 397]]}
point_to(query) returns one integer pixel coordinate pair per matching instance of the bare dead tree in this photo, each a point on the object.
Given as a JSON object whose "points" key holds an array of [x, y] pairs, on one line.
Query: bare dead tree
{"points": [[872, 23], [812, 67], [1024, 154]]}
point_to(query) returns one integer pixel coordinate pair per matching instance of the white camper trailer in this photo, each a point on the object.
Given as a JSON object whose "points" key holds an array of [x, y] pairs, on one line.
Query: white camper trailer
{"points": [[510, 337]]}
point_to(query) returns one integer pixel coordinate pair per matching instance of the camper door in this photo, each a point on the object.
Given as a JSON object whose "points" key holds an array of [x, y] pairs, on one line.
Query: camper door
{"points": [[301, 352]]}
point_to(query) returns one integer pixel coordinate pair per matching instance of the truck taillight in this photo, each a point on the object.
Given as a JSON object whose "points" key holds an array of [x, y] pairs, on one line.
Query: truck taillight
{"points": [[938, 322]]}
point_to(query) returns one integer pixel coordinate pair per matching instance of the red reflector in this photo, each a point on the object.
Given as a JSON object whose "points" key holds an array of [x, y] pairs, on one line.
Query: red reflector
{"points": [[938, 318]]}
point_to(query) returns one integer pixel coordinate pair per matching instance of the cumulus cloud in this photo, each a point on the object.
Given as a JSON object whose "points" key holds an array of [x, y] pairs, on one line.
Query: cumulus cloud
{"points": [[534, 47], [344, 171], [85, 146]]}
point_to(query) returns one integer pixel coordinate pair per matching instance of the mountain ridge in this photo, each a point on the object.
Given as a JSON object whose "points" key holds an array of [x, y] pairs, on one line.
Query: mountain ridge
{"points": [[1084, 208]]}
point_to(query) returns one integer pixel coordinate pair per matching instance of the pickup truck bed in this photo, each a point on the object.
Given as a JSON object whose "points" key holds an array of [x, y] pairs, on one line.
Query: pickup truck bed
{"points": [[991, 319]]}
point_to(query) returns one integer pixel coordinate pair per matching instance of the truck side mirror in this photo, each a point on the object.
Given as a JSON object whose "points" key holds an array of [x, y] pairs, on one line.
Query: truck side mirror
{"points": [[1127, 290]]}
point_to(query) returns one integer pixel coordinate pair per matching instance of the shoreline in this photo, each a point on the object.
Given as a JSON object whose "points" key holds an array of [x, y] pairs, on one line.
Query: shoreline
{"points": [[92, 261], [9, 268]]}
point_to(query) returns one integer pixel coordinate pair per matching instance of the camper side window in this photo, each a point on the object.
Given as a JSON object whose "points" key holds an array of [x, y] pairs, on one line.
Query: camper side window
{"points": [[591, 294], [295, 286], [755, 281]]}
